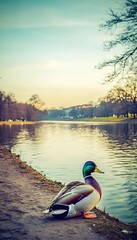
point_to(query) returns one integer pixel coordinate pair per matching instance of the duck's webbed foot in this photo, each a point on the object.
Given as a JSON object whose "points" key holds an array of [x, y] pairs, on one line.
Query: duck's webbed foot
{"points": [[88, 215]]}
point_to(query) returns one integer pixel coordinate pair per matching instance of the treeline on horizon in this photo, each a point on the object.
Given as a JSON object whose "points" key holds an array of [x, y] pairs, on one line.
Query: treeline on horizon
{"points": [[10, 109], [120, 101]]}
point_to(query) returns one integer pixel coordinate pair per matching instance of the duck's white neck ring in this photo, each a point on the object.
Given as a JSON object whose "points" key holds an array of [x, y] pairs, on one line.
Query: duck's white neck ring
{"points": [[87, 176]]}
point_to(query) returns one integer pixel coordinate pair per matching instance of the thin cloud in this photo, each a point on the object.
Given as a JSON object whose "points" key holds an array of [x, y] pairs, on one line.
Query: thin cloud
{"points": [[59, 23], [44, 17], [51, 64]]}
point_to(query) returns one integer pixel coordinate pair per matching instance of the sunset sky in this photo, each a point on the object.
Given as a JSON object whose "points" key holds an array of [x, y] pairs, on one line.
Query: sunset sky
{"points": [[51, 47]]}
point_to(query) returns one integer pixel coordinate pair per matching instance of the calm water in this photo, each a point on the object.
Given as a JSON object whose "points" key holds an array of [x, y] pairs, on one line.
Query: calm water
{"points": [[59, 150]]}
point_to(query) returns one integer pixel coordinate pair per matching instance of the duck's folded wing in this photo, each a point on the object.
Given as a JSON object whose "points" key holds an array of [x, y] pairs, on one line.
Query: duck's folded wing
{"points": [[72, 193]]}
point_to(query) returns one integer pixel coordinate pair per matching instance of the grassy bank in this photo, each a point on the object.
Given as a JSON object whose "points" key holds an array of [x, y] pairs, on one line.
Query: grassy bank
{"points": [[103, 119], [109, 119]]}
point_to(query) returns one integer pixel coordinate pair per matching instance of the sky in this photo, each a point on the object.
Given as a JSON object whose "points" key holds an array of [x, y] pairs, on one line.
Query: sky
{"points": [[51, 48]]}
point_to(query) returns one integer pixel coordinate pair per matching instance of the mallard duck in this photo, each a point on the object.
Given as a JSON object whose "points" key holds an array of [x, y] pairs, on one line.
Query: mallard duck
{"points": [[78, 198]]}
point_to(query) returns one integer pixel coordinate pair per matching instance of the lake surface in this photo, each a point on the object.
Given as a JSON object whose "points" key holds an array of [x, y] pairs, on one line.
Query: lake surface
{"points": [[59, 150]]}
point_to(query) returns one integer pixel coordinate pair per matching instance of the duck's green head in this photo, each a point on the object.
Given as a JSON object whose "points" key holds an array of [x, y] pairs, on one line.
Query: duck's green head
{"points": [[90, 167]]}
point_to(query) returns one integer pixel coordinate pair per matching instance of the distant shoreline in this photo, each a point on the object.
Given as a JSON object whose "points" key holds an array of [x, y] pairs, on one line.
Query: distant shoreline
{"points": [[97, 120], [92, 120]]}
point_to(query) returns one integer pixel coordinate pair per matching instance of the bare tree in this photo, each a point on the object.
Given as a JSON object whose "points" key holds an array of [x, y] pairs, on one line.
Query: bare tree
{"points": [[2, 97], [124, 24], [36, 102], [124, 98], [11, 110]]}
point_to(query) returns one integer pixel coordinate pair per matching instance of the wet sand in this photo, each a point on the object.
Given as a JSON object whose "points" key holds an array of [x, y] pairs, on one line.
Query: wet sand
{"points": [[25, 194]]}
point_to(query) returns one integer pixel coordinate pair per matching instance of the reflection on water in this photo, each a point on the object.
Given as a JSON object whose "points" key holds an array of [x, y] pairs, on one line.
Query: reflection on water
{"points": [[59, 149]]}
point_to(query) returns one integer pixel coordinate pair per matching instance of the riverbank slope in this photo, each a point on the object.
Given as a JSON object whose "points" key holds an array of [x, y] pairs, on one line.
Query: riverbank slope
{"points": [[25, 194]]}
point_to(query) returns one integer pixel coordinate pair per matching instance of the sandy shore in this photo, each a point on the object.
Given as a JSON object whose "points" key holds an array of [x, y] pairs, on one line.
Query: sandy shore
{"points": [[16, 122], [25, 194]]}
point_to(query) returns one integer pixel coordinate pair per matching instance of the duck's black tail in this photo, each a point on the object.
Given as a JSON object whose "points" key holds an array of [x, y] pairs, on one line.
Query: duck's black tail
{"points": [[59, 210]]}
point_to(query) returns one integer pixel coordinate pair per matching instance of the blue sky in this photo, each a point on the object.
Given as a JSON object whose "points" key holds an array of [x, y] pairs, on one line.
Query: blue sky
{"points": [[51, 47]]}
